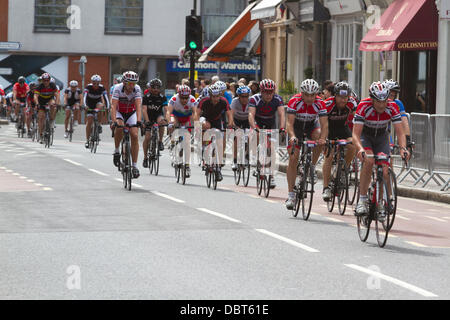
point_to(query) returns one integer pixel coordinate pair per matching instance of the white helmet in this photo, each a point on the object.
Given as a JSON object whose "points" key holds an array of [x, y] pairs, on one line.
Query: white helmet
{"points": [[73, 83], [221, 85], [379, 91], [96, 78], [130, 76], [52, 80], [309, 86]]}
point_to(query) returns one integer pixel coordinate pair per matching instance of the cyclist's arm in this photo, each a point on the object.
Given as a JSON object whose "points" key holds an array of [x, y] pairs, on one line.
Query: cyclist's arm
{"points": [[105, 100], [400, 135], [145, 112], [14, 95], [323, 128], [282, 117], [251, 117], [169, 111], [114, 107], [406, 128], [290, 125], [139, 109], [36, 98], [356, 136], [65, 99], [195, 114], [230, 118]]}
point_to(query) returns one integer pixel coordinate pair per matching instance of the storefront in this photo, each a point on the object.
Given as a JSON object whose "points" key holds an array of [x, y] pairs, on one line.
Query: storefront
{"points": [[409, 27]]}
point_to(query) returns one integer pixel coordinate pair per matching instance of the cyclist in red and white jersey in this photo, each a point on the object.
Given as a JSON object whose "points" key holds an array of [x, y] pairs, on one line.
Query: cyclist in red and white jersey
{"points": [[20, 91], [126, 109], [307, 114], [371, 136]]}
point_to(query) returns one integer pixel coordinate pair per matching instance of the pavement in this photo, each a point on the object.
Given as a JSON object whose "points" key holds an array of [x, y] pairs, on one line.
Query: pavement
{"points": [[69, 230]]}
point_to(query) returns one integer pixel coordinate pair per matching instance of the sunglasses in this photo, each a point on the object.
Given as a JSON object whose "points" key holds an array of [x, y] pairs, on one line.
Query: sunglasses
{"points": [[267, 92], [242, 96]]}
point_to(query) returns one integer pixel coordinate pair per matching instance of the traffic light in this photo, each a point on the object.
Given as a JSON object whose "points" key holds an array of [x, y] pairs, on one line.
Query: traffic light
{"points": [[194, 33]]}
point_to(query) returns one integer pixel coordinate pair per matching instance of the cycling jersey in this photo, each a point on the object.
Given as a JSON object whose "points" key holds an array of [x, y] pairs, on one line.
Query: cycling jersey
{"points": [[306, 113], [374, 122], [45, 94], [21, 91], [338, 119], [2, 93], [181, 111], [401, 107], [265, 112], [127, 102], [94, 96], [73, 96], [240, 111], [214, 113], [155, 105], [8, 99], [228, 96]]}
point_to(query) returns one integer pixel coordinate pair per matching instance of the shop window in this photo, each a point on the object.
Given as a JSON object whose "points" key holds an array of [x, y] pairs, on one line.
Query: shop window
{"points": [[124, 17], [51, 15]]}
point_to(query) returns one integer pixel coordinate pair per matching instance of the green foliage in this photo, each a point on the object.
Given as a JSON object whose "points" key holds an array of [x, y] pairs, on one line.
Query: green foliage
{"points": [[308, 72], [287, 90]]}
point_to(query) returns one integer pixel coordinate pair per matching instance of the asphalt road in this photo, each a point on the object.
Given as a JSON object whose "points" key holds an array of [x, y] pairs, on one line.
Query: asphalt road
{"points": [[68, 230]]}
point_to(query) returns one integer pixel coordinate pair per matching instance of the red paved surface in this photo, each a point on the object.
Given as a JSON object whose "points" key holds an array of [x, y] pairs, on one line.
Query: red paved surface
{"points": [[12, 183]]}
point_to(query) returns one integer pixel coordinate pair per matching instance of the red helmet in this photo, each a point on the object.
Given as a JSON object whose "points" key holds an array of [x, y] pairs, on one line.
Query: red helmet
{"points": [[267, 85], [184, 90]]}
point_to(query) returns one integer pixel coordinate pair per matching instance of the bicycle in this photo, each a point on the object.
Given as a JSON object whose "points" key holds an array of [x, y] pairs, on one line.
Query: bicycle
{"points": [[153, 153], [94, 138], [262, 180], [180, 167], [48, 129], [20, 125], [243, 169], [339, 175], [34, 128], [211, 167], [125, 166], [382, 197], [353, 181], [71, 120], [305, 180]]}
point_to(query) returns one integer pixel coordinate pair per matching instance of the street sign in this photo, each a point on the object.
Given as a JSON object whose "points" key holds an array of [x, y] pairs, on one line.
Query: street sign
{"points": [[13, 46], [6, 71]]}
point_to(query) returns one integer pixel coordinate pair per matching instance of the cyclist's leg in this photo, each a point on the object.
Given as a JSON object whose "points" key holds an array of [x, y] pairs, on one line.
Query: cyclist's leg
{"points": [[41, 120], [315, 135], [366, 171], [52, 105], [146, 143], [16, 108], [28, 118], [350, 152], [161, 121], [118, 132], [66, 120]]}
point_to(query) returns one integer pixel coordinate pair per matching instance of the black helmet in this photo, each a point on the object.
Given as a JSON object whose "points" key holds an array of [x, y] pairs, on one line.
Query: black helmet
{"points": [[155, 83], [342, 89]]}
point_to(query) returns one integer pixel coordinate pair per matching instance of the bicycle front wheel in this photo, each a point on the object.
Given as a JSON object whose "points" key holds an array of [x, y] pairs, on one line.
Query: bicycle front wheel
{"points": [[353, 181], [266, 186], [381, 227], [237, 175], [330, 202], [245, 174], [308, 192], [342, 189], [391, 186]]}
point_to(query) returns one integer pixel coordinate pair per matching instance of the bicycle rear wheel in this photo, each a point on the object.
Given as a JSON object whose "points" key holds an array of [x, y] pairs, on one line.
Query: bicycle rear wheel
{"points": [[245, 174], [353, 181], [156, 161], [183, 174], [330, 202], [214, 176], [342, 189], [71, 128], [237, 175], [129, 166], [208, 176], [266, 186], [363, 223]]}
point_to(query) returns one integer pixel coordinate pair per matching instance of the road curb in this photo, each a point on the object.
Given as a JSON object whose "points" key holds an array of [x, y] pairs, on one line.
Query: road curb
{"points": [[403, 191]]}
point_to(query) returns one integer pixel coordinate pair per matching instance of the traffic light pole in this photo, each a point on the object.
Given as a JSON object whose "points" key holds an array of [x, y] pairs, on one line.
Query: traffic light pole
{"points": [[192, 58]]}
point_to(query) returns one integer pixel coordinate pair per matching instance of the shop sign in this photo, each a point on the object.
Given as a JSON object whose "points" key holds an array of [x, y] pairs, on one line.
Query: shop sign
{"points": [[174, 65]]}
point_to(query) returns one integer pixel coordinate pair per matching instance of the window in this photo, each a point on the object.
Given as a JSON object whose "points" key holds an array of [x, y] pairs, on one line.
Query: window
{"points": [[124, 16], [218, 15], [51, 15]]}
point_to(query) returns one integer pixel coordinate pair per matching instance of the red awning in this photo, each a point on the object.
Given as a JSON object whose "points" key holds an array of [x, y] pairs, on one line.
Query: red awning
{"points": [[405, 25], [220, 50]]}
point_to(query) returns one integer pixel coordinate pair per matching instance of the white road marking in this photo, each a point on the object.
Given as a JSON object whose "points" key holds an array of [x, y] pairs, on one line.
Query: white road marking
{"points": [[39, 184], [334, 220], [137, 185], [16, 174], [48, 189], [271, 201], [167, 196], [99, 172], [437, 219], [402, 217], [73, 162], [21, 177], [8, 170], [25, 154], [448, 218], [289, 241], [416, 244], [220, 215], [429, 203], [406, 210], [30, 180], [118, 179], [393, 280]]}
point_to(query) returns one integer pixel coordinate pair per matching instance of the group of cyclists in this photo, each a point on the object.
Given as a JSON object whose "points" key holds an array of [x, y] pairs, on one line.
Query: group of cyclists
{"points": [[366, 123]]}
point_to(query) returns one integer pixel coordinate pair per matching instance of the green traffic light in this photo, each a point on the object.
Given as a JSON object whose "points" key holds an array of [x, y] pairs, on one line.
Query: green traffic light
{"points": [[193, 45]]}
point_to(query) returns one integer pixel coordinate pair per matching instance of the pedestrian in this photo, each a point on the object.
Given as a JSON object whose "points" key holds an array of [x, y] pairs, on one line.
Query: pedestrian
{"points": [[254, 86]]}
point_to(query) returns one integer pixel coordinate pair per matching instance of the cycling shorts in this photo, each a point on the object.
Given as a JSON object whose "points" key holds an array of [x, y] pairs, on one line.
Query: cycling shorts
{"points": [[301, 128], [243, 124], [128, 118], [377, 144]]}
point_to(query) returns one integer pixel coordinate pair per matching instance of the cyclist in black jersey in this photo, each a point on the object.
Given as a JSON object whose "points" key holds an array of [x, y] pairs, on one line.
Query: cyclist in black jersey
{"points": [[95, 97], [72, 98]]}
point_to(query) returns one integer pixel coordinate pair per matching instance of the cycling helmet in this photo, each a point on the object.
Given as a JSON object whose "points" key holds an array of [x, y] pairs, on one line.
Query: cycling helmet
{"points": [[119, 79], [46, 76], [130, 76], [73, 83], [33, 85], [309, 86], [214, 90], [222, 86], [342, 89], [52, 80], [184, 90], [267, 85], [379, 91], [155, 83], [243, 90], [96, 78], [392, 85], [21, 80]]}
